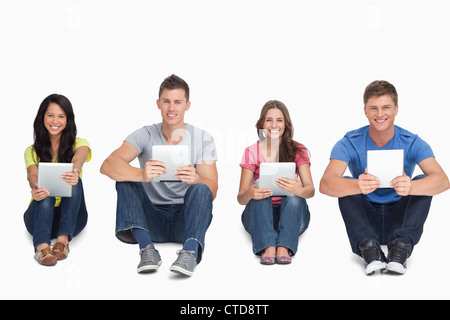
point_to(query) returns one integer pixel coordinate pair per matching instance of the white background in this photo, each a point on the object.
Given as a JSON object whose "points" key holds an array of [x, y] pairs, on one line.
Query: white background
{"points": [[109, 58]]}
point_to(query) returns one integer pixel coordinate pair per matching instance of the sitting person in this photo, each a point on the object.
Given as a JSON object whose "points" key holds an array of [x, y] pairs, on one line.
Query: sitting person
{"points": [[275, 223], [377, 216], [48, 217], [149, 211]]}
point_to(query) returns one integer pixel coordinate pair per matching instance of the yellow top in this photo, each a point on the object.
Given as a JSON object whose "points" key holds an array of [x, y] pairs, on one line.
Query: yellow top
{"points": [[31, 158]]}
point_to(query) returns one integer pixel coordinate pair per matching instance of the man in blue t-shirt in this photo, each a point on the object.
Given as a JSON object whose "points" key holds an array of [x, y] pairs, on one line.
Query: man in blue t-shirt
{"points": [[374, 216]]}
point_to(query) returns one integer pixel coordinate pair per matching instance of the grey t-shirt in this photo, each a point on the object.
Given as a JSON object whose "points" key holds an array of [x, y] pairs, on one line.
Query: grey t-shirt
{"points": [[202, 148]]}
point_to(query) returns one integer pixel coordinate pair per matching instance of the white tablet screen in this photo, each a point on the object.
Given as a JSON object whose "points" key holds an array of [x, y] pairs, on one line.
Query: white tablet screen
{"points": [[386, 165]]}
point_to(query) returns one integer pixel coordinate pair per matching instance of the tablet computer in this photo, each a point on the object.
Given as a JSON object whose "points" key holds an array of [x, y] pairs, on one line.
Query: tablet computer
{"points": [[270, 172], [386, 165], [49, 177], [174, 156]]}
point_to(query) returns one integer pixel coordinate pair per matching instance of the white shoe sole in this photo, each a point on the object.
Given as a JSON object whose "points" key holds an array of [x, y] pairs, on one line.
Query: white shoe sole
{"points": [[374, 266], [181, 271], [147, 269], [396, 267]]}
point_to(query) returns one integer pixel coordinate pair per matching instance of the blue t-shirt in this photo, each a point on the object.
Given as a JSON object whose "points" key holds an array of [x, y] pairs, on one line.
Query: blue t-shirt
{"points": [[352, 149]]}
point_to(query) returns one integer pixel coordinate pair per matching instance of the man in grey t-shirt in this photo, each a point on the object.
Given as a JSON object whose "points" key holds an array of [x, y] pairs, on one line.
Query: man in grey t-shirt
{"points": [[149, 211]]}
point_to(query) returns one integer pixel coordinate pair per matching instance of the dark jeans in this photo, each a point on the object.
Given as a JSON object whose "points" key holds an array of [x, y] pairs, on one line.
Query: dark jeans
{"points": [[403, 219], [165, 223], [44, 221]]}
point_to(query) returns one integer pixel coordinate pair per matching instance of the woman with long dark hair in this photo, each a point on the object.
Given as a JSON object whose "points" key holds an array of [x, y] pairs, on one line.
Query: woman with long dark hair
{"points": [[55, 140], [275, 223]]}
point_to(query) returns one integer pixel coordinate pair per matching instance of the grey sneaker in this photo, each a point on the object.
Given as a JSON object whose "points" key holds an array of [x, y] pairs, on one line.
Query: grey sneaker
{"points": [[185, 264], [150, 260]]}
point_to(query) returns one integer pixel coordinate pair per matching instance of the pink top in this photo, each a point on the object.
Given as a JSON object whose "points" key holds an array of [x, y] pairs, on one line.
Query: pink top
{"points": [[253, 157]]}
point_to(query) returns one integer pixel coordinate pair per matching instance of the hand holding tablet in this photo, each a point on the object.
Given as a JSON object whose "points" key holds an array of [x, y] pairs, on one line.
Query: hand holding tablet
{"points": [[154, 169], [50, 178], [171, 158], [271, 172], [386, 165]]}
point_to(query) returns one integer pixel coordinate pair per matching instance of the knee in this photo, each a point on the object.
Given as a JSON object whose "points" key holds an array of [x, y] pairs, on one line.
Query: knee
{"points": [[201, 190], [200, 187], [352, 198], [77, 188], [120, 186], [48, 204], [260, 202], [126, 186], [295, 201]]}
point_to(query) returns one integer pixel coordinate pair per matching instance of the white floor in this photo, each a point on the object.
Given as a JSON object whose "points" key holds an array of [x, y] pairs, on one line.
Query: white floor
{"points": [[101, 267]]}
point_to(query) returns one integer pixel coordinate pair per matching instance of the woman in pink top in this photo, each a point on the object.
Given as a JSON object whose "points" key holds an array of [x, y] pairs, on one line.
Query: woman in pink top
{"points": [[275, 223]]}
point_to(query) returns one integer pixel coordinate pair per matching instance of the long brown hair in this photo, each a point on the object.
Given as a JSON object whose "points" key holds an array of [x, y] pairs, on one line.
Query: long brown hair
{"points": [[288, 147], [42, 144]]}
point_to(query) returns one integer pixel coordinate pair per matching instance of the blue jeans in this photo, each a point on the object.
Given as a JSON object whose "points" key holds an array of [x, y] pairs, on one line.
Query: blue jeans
{"points": [[165, 223], [276, 225], [403, 219], [44, 221]]}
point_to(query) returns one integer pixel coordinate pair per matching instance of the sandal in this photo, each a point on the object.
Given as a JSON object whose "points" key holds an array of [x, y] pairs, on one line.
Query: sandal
{"points": [[60, 250], [45, 257]]}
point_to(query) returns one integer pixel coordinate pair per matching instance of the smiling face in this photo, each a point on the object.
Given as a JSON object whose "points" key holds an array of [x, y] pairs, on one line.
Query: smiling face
{"points": [[274, 123], [173, 104], [381, 112], [55, 120]]}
